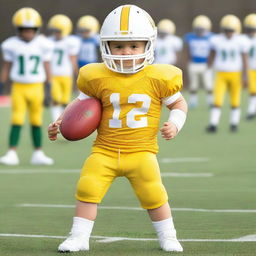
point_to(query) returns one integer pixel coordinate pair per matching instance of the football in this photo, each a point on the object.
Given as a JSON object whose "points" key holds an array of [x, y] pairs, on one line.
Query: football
{"points": [[81, 119]]}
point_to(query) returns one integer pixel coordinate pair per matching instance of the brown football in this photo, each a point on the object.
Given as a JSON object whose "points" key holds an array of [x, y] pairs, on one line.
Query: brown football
{"points": [[81, 119]]}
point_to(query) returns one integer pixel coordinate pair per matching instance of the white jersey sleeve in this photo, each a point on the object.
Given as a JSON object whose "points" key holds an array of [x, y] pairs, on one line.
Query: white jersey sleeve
{"points": [[73, 45], [252, 53], [7, 47], [212, 42], [178, 44], [245, 44], [47, 48]]}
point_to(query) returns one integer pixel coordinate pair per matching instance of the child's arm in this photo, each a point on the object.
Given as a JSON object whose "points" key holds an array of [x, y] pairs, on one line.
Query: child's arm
{"points": [[73, 59], [211, 58], [53, 128], [177, 117], [4, 74]]}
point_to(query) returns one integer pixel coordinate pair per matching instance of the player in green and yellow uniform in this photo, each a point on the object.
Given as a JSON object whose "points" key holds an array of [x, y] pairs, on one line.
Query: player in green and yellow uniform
{"points": [[131, 93], [250, 31], [63, 63], [229, 54], [26, 60]]}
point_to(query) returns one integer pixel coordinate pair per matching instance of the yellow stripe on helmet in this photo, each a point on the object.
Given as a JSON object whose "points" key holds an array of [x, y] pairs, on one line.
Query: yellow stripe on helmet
{"points": [[124, 21]]}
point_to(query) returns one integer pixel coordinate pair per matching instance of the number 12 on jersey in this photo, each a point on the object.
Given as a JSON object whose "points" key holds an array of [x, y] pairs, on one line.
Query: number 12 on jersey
{"points": [[131, 122]]}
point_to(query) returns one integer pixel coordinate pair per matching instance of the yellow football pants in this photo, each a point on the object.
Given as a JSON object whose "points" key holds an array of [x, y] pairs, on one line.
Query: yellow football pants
{"points": [[227, 81], [27, 97], [140, 168], [61, 89], [252, 81]]}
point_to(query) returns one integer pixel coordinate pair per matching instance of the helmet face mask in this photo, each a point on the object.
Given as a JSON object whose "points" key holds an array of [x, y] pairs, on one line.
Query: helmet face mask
{"points": [[250, 30], [117, 62], [126, 63], [27, 34], [84, 33], [228, 30], [128, 23], [200, 31]]}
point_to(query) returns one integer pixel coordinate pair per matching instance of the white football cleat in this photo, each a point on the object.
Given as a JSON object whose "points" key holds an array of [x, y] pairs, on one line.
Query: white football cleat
{"points": [[75, 243], [39, 158], [10, 158], [170, 244]]}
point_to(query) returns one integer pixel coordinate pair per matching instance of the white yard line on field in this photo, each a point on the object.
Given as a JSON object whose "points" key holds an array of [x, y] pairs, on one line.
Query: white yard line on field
{"points": [[184, 160], [107, 239], [56, 171], [140, 209], [39, 171], [186, 175]]}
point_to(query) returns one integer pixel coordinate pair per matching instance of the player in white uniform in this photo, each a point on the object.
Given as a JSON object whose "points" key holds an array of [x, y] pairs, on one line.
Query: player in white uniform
{"points": [[197, 50], [168, 45], [250, 30], [229, 59], [63, 63], [26, 62]]}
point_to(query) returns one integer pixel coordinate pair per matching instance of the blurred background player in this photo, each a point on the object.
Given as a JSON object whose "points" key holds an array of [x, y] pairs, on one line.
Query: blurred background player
{"points": [[250, 31], [229, 57], [26, 61], [168, 46], [87, 29], [197, 53], [63, 63]]}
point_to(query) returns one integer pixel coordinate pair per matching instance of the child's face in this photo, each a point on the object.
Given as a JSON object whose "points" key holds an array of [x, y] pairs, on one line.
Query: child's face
{"points": [[27, 34], [251, 32], [200, 31], [127, 48], [85, 33], [55, 33], [229, 32]]}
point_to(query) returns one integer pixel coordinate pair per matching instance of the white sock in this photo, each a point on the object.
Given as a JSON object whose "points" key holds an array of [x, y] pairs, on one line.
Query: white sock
{"points": [[252, 105], [36, 151], [235, 116], [164, 227], [193, 99], [12, 150], [82, 226], [215, 116], [56, 112]]}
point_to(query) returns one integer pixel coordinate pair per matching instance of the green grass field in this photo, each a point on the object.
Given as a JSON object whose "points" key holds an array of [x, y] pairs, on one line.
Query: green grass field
{"points": [[225, 163]]}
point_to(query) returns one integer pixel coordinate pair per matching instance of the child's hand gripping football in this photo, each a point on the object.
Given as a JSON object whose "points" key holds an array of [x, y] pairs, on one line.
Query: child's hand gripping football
{"points": [[53, 130]]}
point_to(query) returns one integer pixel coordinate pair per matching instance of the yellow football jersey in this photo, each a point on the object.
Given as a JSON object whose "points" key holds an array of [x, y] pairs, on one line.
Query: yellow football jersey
{"points": [[131, 104]]}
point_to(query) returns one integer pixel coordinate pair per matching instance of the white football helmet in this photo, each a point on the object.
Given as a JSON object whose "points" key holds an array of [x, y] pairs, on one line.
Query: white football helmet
{"points": [[128, 23], [166, 26], [231, 22], [202, 22]]}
